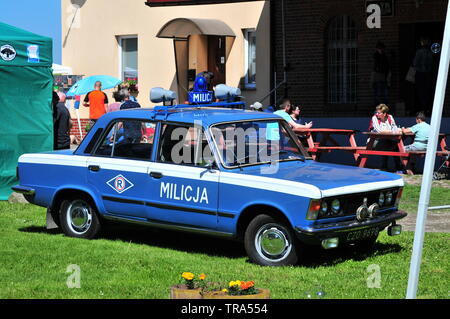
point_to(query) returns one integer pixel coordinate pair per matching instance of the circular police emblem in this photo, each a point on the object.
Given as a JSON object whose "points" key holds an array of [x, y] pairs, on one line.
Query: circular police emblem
{"points": [[7, 52]]}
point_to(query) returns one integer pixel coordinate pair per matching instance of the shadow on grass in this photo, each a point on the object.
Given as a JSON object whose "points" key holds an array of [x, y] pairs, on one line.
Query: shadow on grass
{"points": [[40, 230], [324, 258], [181, 241], [195, 243]]}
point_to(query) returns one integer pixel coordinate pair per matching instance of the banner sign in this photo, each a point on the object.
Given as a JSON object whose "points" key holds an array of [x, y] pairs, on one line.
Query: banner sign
{"points": [[200, 97]]}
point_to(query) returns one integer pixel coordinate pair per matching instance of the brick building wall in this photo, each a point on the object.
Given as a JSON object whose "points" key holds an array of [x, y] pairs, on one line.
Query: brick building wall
{"points": [[306, 24], [75, 129]]}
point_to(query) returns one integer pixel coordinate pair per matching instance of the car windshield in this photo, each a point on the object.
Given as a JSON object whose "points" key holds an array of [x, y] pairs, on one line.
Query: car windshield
{"points": [[256, 142]]}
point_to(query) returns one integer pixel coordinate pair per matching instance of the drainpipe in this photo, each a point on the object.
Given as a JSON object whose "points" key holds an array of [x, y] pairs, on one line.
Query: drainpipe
{"points": [[283, 30]]}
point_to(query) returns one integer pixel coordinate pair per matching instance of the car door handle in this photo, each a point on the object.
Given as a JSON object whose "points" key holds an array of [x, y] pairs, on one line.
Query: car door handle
{"points": [[94, 168], [156, 175]]}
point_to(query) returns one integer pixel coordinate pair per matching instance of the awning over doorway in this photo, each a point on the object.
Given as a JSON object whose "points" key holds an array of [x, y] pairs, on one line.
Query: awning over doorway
{"points": [[182, 28]]}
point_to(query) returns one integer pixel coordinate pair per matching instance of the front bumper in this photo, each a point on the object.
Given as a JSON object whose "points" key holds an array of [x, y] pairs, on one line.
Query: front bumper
{"points": [[315, 234]]}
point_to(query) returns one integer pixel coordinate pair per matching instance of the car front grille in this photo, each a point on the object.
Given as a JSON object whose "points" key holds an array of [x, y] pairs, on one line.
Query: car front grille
{"points": [[350, 203]]}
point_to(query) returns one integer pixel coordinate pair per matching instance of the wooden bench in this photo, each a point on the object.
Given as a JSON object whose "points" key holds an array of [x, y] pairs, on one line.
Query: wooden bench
{"points": [[413, 155]]}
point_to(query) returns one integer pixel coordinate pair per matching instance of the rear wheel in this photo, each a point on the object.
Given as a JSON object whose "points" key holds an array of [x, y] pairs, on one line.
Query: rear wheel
{"points": [[270, 242], [79, 218]]}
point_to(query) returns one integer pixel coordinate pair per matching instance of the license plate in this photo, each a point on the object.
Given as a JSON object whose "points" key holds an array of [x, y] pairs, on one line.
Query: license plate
{"points": [[362, 234]]}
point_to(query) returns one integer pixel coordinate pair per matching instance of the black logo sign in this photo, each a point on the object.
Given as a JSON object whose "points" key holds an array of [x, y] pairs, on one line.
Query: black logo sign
{"points": [[7, 52]]}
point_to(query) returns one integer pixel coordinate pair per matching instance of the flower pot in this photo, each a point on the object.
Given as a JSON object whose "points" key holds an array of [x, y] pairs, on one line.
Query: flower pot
{"points": [[181, 292], [263, 294]]}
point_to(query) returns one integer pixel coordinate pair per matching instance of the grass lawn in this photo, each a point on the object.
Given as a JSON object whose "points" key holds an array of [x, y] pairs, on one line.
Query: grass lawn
{"points": [[411, 193], [135, 262]]}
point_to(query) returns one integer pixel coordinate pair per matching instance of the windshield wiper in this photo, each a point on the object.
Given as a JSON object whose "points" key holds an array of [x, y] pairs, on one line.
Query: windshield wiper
{"points": [[297, 157]]}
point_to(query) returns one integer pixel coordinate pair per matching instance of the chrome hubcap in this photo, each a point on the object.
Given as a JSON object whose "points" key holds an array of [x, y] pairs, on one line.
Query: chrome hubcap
{"points": [[272, 243], [79, 217]]}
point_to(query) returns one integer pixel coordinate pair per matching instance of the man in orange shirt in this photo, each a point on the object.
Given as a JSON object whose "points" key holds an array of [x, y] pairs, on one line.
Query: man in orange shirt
{"points": [[97, 101]]}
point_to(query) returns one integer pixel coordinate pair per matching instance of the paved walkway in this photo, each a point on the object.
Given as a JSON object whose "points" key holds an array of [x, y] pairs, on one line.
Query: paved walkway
{"points": [[435, 223]]}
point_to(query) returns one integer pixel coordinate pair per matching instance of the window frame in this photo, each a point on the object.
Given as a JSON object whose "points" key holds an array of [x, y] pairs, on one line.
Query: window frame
{"points": [[107, 130], [350, 70], [120, 38], [247, 84]]}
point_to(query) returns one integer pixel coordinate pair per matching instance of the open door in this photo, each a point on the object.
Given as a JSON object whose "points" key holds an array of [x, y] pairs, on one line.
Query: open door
{"points": [[410, 35], [217, 59]]}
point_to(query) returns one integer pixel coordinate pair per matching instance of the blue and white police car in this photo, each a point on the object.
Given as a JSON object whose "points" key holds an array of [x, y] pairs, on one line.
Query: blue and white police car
{"points": [[213, 169]]}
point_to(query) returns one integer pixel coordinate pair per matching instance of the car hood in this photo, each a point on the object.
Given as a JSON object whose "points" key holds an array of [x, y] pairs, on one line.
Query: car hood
{"points": [[321, 179]]}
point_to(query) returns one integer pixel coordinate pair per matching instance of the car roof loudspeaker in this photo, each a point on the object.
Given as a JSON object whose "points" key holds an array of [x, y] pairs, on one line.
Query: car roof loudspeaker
{"points": [[158, 95], [225, 92]]}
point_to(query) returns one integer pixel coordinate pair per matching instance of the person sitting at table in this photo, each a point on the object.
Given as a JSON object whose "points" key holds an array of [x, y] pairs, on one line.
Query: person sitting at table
{"points": [[285, 111], [382, 121], [421, 131], [295, 114]]}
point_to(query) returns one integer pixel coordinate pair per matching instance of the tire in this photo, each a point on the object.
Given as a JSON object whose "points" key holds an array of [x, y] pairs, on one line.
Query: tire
{"points": [[280, 253], [86, 225]]}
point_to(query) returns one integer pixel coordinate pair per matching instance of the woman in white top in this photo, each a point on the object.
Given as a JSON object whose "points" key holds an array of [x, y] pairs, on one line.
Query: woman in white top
{"points": [[382, 121]]}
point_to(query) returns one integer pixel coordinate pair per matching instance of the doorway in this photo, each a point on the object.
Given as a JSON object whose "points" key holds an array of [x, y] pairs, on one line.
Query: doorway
{"points": [[410, 35], [217, 59]]}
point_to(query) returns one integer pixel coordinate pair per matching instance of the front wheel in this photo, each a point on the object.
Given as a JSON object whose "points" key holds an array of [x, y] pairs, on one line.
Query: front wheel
{"points": [[79, 219], [269, 242]]}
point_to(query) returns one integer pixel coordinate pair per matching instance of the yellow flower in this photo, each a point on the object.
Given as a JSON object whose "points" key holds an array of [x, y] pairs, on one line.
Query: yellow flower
{"points": [[202, 276], [234, 283], [188, 276], [225, 290]]}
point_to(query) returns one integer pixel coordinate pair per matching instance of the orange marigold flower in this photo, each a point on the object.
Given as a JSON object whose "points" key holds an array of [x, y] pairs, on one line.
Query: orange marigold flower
{"points": [[202, 276], [247, 285]]}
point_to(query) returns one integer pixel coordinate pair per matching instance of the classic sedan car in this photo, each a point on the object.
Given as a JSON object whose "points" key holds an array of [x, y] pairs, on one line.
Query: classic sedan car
{"points": [[212, 169]]}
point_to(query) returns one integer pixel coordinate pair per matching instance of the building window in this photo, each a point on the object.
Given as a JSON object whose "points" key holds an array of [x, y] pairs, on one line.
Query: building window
{"points": [[342, 59], [128, 58], [250, 58]]}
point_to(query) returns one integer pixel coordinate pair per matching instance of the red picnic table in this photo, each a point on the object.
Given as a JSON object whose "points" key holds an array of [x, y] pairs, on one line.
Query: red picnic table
{"points": [[406, 158], [316, 147]]}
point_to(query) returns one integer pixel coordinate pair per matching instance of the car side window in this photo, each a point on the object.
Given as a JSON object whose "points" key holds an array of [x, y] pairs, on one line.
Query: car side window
{"points": [[132, 139], [185, 145]]}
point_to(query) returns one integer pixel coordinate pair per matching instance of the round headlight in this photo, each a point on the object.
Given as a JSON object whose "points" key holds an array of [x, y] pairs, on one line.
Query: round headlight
{"points": [[381, 199], [389, 198], [324, 209], [336, 206]]}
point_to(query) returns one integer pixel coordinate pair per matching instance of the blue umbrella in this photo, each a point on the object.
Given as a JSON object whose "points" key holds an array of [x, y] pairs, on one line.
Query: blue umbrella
{"points": [[87, 85]]}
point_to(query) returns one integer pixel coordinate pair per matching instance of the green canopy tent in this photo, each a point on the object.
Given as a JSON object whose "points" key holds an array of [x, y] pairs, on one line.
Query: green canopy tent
{"points": [[26, 80]]}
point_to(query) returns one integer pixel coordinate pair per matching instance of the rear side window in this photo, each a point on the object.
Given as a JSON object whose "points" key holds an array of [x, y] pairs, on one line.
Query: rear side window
{"points": [[131, 139]]}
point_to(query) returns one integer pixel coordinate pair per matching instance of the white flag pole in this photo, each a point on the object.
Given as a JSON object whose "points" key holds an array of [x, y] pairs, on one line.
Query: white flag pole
{"points": [[79, 123], [424, 200]]}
